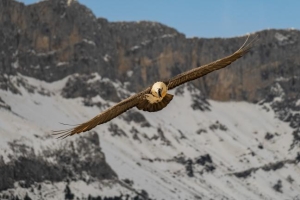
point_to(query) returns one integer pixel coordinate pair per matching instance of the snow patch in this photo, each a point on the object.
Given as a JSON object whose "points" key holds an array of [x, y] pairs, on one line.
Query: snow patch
{"points": [[135, 48], [54, 87], [168, 35], [44, 54], [149, 161], [97, 77], [106, 58], [80, 189], [280, 37], [129, 73], [15, 64], [89, 42], [61, 64]]}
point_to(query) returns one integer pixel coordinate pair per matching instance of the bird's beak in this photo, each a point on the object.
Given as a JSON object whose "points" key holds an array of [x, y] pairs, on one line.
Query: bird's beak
{"points": [[159, 92]]}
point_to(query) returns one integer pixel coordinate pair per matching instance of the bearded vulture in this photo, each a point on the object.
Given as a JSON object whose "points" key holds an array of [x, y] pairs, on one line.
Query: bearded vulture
{"points": [[155, 97]]}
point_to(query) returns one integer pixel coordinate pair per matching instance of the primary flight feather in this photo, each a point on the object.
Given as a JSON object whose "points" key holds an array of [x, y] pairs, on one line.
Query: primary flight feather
{"points": [[155, 97]]}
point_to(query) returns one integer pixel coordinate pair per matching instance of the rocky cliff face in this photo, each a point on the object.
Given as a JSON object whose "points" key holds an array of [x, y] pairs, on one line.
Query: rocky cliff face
{"points": [[59, 62], [81, 159], [51, 39]]}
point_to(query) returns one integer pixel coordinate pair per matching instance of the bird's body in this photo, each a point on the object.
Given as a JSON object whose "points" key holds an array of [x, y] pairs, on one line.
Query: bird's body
{"points": [[158, 92], [155, 97]]}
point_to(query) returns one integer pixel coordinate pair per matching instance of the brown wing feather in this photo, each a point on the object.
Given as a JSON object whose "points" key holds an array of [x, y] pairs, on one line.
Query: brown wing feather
{"points": [[205, 69], [105, 116]]}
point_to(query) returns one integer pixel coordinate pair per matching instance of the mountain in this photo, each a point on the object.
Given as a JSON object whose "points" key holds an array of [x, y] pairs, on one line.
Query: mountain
{"points": [[233, 134]]}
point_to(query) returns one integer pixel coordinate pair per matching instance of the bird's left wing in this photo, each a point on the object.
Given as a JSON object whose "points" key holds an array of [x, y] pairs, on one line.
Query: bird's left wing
{"points": [[105, 116], [203, 70]]}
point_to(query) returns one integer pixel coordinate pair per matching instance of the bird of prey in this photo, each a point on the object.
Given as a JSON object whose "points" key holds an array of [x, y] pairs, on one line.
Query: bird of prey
{"points": [[155, 97]]}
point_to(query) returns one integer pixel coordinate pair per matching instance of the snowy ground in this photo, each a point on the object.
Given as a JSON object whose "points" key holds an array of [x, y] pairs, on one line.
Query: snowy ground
{"points": [[233, 135]]}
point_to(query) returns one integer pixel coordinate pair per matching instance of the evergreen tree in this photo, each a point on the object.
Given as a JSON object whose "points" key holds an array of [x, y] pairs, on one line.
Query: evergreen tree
{"points": [[27, 197], [68, 194]]}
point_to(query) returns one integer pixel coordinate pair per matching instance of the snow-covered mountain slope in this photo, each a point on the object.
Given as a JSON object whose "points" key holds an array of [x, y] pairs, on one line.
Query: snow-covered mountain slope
{"points": [[192, 149]]}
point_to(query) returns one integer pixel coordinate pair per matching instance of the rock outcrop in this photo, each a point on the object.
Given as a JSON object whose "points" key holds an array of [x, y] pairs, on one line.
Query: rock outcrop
{"points": [[75, 160]]}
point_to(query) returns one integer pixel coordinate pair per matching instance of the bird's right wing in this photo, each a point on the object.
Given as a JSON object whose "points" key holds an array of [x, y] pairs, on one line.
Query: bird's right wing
{"points": [[105, 116], [205, 69]]}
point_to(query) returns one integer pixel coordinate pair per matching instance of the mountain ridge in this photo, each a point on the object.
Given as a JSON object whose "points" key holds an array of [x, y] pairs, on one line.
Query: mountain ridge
{"points": [[139, 53], [233, 134]]}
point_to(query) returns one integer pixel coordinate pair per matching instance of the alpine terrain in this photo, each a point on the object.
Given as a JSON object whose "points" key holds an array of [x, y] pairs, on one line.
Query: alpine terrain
{"points": [[233, 134]]}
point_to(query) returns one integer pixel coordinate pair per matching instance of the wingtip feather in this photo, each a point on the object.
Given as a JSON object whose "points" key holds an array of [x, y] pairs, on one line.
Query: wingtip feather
{"points": [[248, 45], [62, 134]]}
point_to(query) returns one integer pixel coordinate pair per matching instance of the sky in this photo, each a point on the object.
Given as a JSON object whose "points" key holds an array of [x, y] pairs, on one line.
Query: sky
{"points": [[202, 18]]}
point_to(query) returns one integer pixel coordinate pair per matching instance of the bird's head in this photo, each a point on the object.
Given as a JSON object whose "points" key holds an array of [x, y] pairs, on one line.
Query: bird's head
{"points": [[159, 89]]}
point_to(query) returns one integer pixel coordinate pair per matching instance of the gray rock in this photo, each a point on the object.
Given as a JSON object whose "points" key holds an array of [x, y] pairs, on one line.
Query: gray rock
{"points": [[137, 118], [4, 105], [72, 162], [79, 86]]}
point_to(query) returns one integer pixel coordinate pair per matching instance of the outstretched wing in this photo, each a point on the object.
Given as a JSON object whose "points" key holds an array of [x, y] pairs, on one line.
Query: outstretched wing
{"points": [[205, 69], [105, 116]]}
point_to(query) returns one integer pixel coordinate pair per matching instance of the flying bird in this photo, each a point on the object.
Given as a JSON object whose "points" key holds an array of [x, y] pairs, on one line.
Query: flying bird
{"points": [[156, 97]]}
